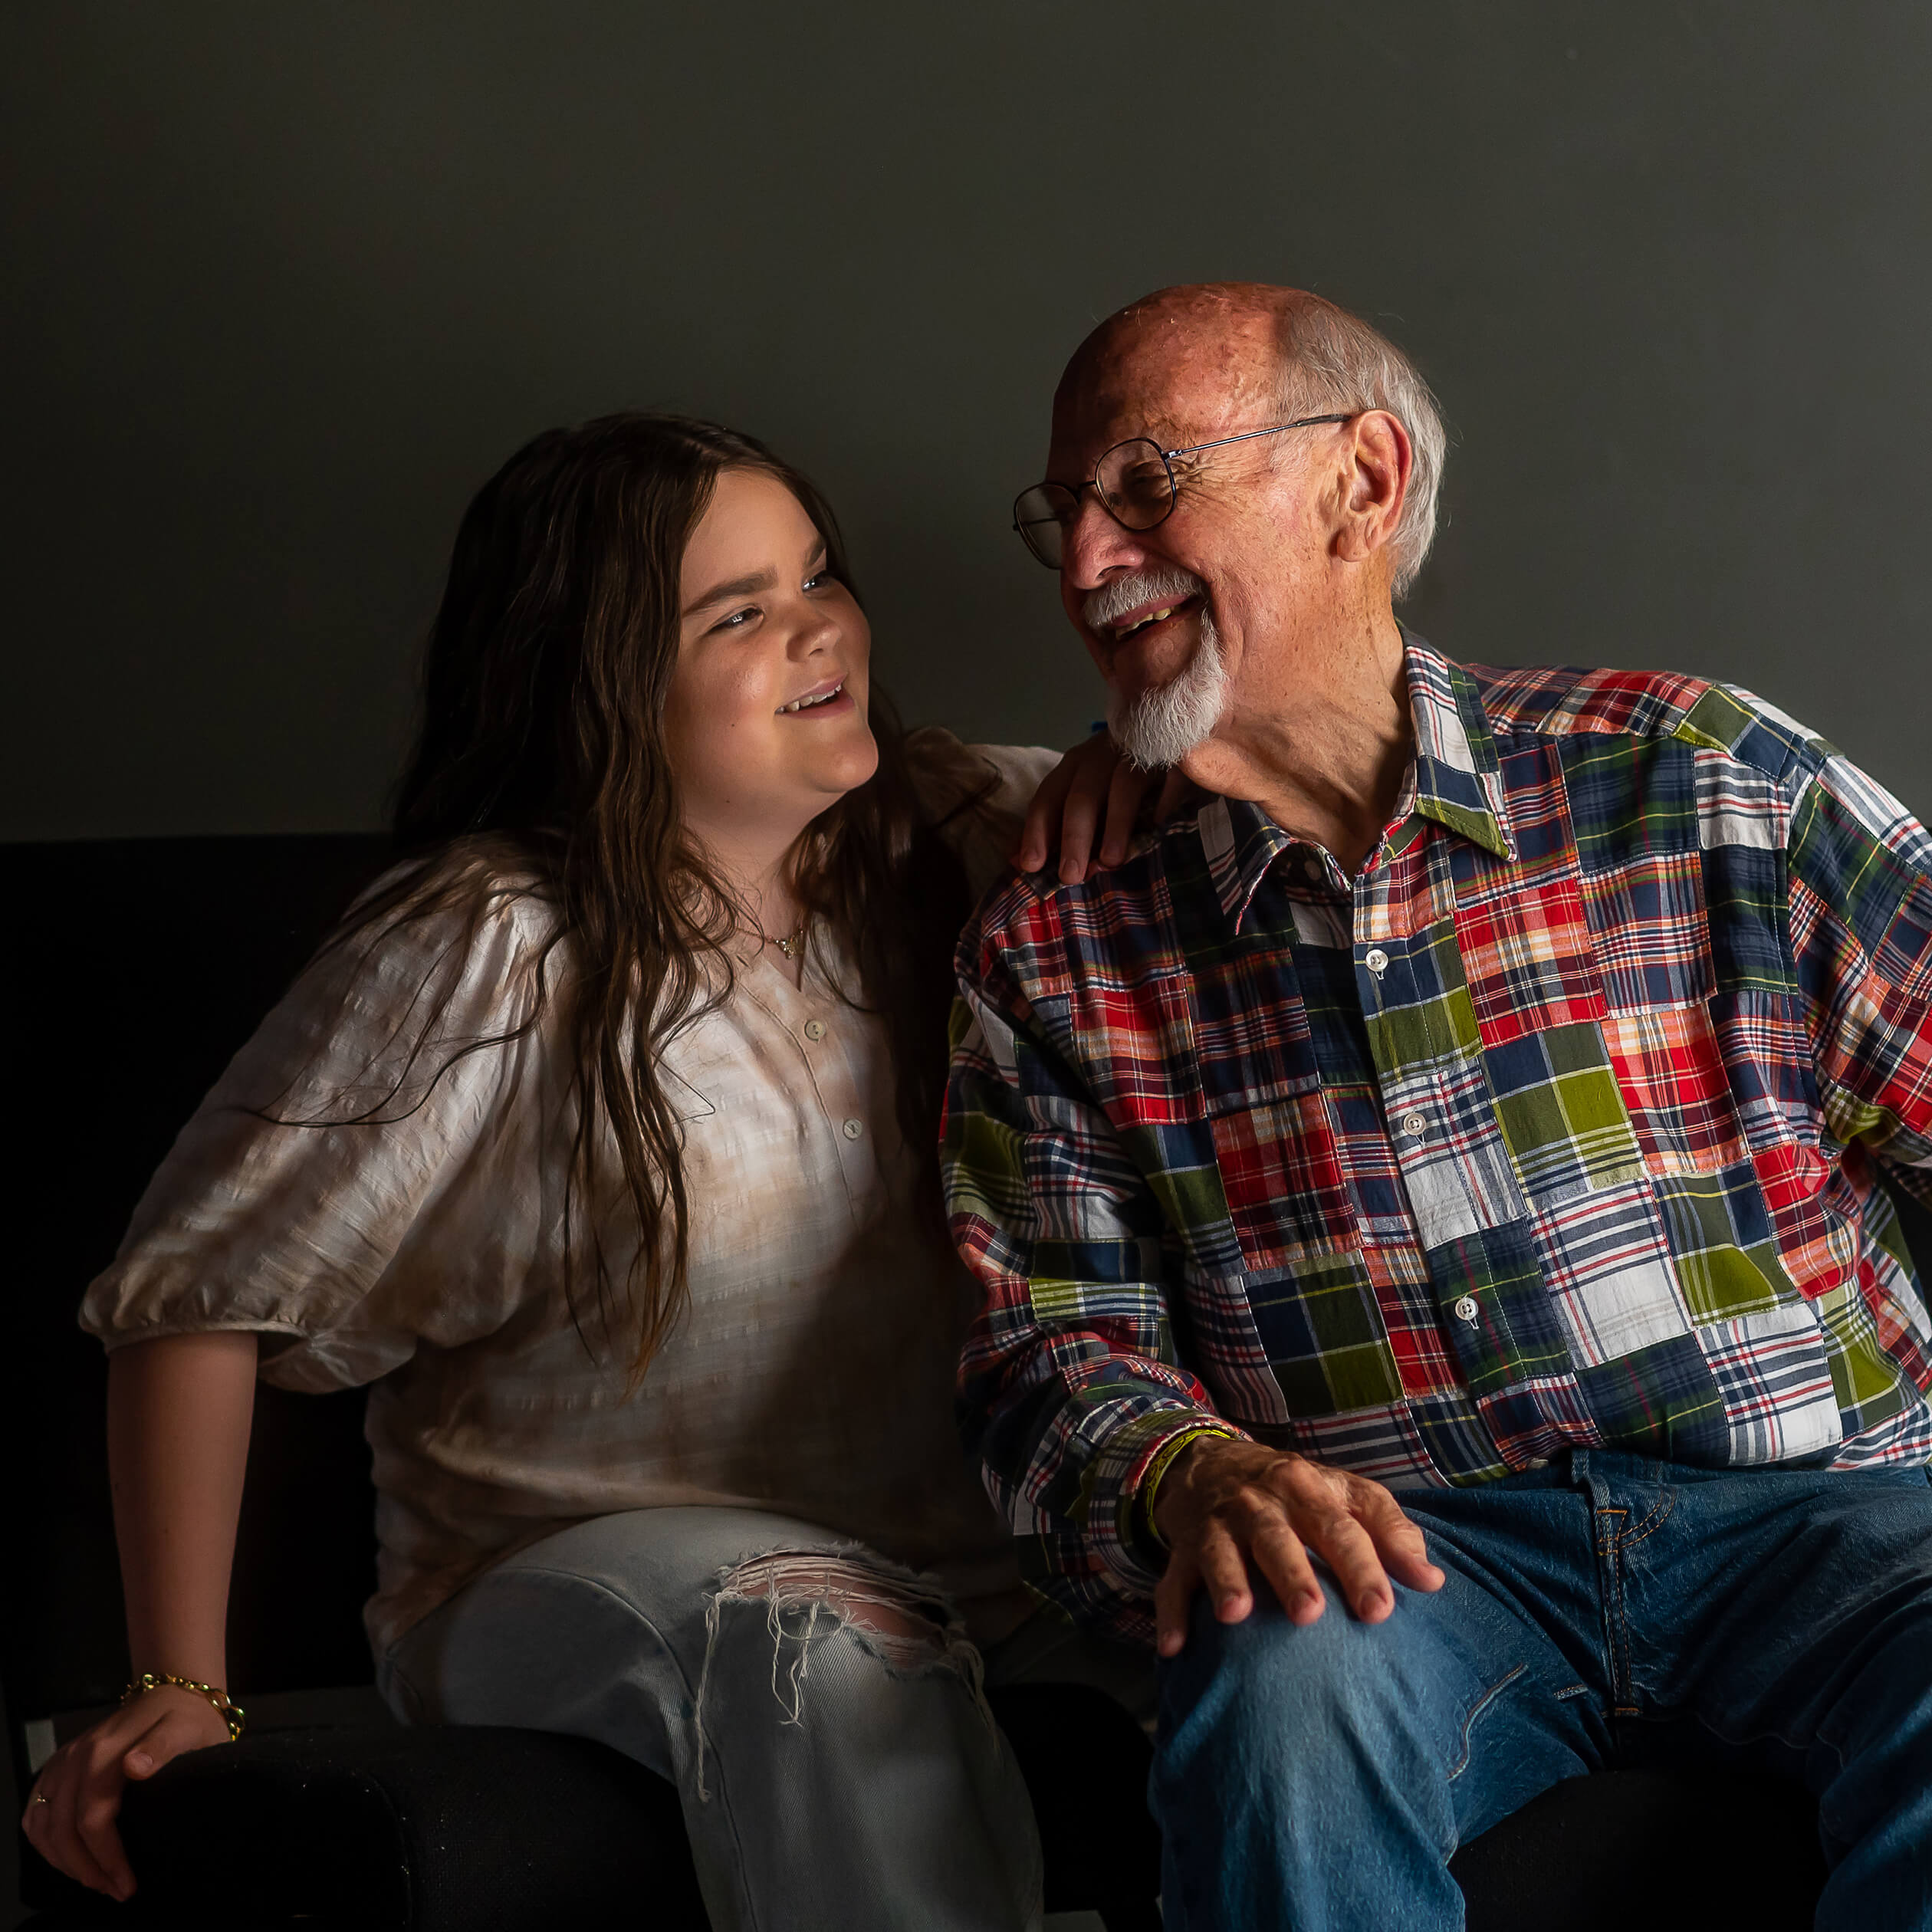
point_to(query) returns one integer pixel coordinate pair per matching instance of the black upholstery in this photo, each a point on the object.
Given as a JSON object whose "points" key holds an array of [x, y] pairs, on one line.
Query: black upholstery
{"points": [[135, 968]]}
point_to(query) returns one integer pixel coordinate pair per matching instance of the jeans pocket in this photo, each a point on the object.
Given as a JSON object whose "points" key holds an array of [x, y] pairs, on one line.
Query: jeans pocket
{"points": [[1473, 1716]]}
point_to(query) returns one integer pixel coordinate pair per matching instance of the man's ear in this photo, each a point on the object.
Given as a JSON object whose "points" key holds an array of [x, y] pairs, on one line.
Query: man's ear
{"points": [[1381, 460]]}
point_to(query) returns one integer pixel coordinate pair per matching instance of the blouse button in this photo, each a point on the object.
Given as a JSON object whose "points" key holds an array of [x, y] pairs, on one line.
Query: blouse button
{"points": [[1376, 961], [814, 1029], [1466, 1308], [853, 1128]]}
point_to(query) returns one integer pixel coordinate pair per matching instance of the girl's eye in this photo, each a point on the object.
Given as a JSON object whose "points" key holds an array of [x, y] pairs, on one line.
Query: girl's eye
{"points": [[819, 579], [737, 619]]}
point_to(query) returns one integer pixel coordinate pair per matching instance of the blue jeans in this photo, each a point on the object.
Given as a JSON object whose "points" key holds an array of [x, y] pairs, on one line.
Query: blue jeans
{"points": [[816, 1707], [1321, 1777]]}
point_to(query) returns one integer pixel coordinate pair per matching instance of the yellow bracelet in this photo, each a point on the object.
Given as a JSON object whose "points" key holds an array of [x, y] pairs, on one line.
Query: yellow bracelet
{"points": [[1164, 1460], [148, 1680]]}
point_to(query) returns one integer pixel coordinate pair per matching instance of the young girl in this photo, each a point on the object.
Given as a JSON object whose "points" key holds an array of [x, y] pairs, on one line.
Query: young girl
{"points": [[599, 1143]]}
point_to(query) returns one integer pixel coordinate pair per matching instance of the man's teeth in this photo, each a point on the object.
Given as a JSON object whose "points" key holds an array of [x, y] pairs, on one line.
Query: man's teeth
{"points": [[1152, 617], [805, 704]]}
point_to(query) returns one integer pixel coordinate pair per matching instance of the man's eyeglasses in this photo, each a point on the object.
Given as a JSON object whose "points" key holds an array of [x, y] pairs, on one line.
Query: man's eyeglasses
{"points": [[1135, 483]]}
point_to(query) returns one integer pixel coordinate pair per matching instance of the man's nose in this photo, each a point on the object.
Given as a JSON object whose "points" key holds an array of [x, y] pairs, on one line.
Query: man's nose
{"points": [[1094, 544]]}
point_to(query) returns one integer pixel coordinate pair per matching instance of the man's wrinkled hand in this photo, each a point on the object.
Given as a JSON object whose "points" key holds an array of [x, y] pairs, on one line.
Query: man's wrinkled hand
{"points": [[1228, 1508], [1093, 789]]}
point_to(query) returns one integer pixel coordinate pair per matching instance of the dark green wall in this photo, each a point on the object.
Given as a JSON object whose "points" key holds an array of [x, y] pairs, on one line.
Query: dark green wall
{"points": [[280, 284]]}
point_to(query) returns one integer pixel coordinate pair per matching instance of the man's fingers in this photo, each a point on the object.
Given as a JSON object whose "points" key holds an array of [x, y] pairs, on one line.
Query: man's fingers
{"points": [[1280, 1556], [1349, 1550], [1035, 835], [1173, 1598], [1078, 817], [1404, 1550], [1223, 1573], [1128, 788]]}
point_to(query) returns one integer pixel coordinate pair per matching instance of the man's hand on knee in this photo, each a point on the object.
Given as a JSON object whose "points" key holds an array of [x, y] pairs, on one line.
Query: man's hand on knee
{"points": [[1225, 1505]]}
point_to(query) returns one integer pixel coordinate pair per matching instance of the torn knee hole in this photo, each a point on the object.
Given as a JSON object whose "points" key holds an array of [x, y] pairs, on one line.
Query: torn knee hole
{"points": [[907, 1623], [902, 1618]]}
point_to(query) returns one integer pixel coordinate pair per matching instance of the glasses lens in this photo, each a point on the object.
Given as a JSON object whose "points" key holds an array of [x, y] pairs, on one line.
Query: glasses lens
{"points": [[1134, 484], [1041, 515]]}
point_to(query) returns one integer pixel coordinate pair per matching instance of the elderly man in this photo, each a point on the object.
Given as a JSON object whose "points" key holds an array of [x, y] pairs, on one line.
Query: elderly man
{"points": [[1481, 1091]]}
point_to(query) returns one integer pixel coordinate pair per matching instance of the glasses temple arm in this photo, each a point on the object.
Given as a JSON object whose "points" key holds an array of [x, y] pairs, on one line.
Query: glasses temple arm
{"points": [[1273, 429]]}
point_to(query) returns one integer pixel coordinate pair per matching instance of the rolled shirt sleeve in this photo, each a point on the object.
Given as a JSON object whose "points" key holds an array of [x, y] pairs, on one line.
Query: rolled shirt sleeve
{"points": [[1071, 1390], [1860, 887]]}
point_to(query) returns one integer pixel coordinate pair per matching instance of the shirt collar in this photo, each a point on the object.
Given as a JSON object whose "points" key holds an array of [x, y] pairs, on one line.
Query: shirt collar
{"points": [[1456, 780], [1458, 777]]}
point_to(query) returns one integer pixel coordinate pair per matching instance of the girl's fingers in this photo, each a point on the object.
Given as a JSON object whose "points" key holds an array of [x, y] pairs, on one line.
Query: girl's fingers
{"points": [[52, 1829], [174, 1732], [94, 1825]]}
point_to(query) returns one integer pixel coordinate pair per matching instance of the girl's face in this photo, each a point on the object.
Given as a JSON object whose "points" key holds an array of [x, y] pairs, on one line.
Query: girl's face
{"points": [[765, 719]]}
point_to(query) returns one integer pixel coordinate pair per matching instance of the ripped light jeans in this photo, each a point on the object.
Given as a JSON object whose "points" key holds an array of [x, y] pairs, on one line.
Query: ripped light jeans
{"points": [[819, 1711], [1320, 1777]]}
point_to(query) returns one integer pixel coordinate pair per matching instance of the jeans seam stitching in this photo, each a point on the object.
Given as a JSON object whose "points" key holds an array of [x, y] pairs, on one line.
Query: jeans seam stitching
{"points": [[1650, 1524], [1475, 1710], [1609, 1548]]}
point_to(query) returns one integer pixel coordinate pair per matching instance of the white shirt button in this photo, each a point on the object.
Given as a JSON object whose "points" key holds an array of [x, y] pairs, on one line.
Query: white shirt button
{"points": [[1376, 961], [1413, 1123], [814, 1029], [1466, 1308], [852, 1129]]}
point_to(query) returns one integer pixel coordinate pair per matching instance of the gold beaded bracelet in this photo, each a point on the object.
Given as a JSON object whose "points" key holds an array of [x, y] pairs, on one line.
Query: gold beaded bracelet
{"points": [[148, 1680]]}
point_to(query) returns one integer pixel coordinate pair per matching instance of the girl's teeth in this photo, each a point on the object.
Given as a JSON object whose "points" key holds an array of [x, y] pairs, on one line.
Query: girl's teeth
{"points": [[805, 704]]}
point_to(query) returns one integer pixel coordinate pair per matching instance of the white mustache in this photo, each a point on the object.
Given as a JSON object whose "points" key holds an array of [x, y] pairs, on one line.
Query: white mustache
{"points": [[1118, 595]]}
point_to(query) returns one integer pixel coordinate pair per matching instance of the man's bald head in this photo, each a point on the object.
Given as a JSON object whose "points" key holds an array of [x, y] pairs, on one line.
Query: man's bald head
{"points": [[1205, 359]]}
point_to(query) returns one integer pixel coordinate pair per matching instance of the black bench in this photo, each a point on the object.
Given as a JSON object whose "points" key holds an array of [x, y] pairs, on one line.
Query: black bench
{"points": [[136, 968]]}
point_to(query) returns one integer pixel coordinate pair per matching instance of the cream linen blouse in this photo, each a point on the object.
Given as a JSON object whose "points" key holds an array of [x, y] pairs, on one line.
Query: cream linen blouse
{"points": [[812, 1373]]}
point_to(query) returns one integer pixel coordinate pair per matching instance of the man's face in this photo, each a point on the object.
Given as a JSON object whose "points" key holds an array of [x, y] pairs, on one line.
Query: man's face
{"points": [[1234, 559]]}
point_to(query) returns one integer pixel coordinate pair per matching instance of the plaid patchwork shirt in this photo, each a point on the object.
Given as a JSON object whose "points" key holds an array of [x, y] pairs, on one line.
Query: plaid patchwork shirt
{"points": [[1560, 1125]]}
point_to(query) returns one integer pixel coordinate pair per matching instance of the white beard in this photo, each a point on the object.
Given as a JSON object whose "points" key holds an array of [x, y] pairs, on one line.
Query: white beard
{"points": [[1166, 722]]}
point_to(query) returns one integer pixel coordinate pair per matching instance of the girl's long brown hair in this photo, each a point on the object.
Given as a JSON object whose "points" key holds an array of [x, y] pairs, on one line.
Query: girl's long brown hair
{"points": [[541, 752]]}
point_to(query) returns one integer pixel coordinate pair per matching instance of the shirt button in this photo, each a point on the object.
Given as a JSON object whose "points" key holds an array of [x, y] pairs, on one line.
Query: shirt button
{"points": [[814, 1029], [1466, 1308], [1413, 1124], [852, 1129], [1376, 961]]}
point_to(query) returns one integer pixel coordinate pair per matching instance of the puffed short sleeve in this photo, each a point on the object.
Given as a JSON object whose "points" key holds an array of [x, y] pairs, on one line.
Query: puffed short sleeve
{"points": [[375, 1168], [976, 795]]}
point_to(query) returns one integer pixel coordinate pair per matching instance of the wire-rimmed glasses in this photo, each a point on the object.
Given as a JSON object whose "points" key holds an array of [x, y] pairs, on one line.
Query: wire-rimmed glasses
{"points": [[1135, 485]]}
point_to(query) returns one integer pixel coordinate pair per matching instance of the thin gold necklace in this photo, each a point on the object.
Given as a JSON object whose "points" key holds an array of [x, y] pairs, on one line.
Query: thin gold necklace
{"points": [[793, 944]]}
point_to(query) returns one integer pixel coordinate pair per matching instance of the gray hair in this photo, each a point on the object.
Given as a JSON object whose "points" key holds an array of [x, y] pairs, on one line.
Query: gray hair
{"points": [[1333, 360]]}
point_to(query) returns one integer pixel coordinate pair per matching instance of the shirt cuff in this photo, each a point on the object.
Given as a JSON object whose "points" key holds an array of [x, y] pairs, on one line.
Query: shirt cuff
{"points": [[1136, 1454]]}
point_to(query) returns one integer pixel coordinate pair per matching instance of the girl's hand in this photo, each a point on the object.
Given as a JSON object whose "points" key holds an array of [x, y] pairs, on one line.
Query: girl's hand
{"points": [[73, 1830], [1092, 779]]}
